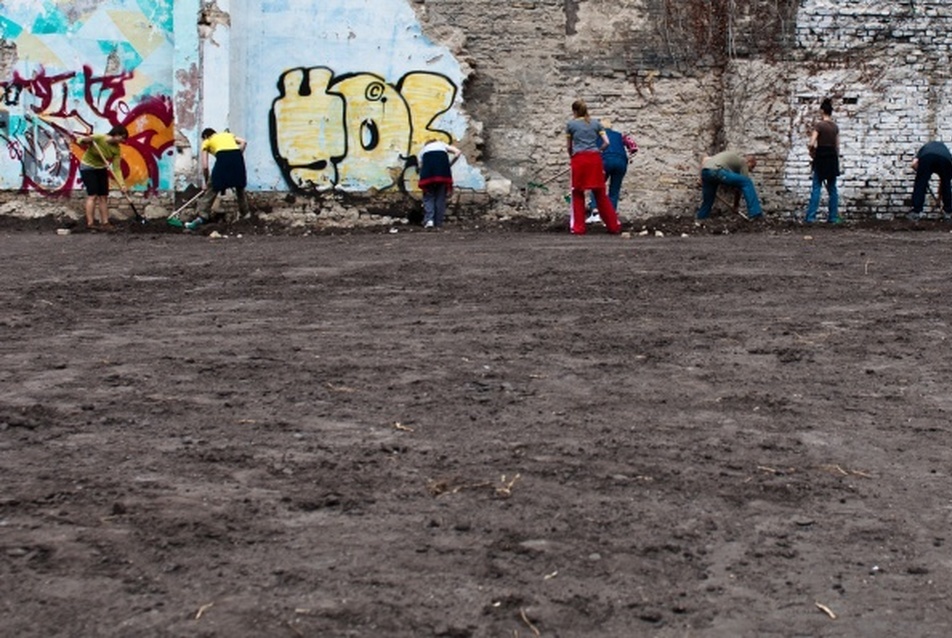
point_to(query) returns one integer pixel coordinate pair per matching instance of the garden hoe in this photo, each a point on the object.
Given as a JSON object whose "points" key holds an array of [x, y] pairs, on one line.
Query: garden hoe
{"points": [[173, 219]]}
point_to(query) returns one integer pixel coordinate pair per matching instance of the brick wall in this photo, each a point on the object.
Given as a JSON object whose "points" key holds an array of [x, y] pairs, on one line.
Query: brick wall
{"points": [[886, 64]]}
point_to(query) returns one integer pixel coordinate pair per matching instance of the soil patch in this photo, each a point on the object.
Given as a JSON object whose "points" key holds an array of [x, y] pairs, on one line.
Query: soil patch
{"points": [[732, 429]]}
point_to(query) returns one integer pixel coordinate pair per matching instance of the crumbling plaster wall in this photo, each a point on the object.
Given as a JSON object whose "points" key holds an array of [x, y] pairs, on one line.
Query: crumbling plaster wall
{"points": [[886, 65], [534, 58]]}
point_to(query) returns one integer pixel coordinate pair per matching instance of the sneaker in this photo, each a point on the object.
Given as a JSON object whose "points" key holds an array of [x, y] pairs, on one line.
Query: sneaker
{"points": [[593, 217], [429, 224]]}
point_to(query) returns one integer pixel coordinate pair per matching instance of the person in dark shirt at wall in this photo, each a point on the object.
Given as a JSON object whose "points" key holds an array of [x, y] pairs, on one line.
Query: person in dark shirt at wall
{"points": [[824, 147], [933, 158]]}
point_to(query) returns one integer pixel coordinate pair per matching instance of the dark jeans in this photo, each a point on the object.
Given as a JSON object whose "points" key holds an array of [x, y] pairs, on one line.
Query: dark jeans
{"points": [[615, 169], [434, 203], [208, 200], [930, 165], [815, 192]]}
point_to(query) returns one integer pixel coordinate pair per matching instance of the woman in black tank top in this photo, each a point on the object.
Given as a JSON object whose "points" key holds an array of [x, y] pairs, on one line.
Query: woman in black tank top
{"points": [[825, 150]]}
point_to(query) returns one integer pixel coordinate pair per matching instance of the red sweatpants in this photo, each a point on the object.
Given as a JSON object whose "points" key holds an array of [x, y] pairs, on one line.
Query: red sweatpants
{"points": [[589, 174]]}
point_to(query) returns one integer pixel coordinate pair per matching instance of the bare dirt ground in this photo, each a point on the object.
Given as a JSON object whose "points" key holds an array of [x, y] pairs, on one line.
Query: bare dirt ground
{"points": [[481, 432]]}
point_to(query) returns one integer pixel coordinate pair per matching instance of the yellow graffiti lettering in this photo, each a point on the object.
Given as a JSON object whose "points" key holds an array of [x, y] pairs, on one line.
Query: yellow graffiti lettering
{"points": [[377, 128], [308, 128], [357, 131], [429, 96]]}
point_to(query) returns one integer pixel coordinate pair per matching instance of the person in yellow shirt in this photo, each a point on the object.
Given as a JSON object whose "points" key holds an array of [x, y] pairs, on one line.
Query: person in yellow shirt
{"points": [[228, 172], [102, 155]]}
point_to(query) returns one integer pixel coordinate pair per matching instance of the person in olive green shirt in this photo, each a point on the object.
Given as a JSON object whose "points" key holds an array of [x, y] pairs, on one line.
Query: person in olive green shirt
{"points": [[101, 157]]}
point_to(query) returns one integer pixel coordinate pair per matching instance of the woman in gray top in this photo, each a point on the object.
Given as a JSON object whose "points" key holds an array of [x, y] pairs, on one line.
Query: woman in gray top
{"points": [[586, 139]]}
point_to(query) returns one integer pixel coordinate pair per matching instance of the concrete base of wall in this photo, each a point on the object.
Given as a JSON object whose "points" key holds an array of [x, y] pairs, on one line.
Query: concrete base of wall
{"points": [[280, 208]]}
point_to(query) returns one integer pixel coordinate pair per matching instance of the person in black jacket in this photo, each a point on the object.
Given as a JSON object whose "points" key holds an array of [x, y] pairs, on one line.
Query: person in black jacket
{"points": [[933, 158]]}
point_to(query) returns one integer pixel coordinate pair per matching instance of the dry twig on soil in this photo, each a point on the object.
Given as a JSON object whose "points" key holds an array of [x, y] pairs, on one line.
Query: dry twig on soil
{"points": [[506, 490], [525, 619], [826, 610], [452, 486], [438, 488], [773, 470], [202, 610], [839, 470]]}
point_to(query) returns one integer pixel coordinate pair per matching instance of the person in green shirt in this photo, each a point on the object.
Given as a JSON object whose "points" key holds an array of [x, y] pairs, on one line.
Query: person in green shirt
{"points": [[101, 158]]}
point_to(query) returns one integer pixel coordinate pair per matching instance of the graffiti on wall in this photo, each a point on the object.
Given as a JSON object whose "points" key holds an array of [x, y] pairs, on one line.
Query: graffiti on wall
{"points": [[69, 69], [39, 124], [356, 131]]}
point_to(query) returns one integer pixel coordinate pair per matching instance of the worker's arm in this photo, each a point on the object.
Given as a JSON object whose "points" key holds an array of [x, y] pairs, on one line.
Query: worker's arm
{"points": [[455, 152], [811, 145]]}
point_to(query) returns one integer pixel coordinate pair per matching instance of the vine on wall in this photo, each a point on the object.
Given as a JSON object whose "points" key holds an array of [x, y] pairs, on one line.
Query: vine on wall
{"points": [[713, 32]]}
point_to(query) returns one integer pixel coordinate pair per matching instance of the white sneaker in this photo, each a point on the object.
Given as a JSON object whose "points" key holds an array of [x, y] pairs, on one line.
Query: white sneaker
{"points": [[428, 225], [593, 219]]}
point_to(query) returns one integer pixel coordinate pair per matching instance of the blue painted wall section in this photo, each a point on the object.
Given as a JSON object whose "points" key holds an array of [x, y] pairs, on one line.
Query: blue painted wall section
{"points": [[354, 96]]}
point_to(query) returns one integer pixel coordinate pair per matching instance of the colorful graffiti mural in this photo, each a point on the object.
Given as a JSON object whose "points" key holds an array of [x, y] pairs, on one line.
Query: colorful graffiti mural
{"points": [[42, 137], [47, 102], [356, 131]]}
